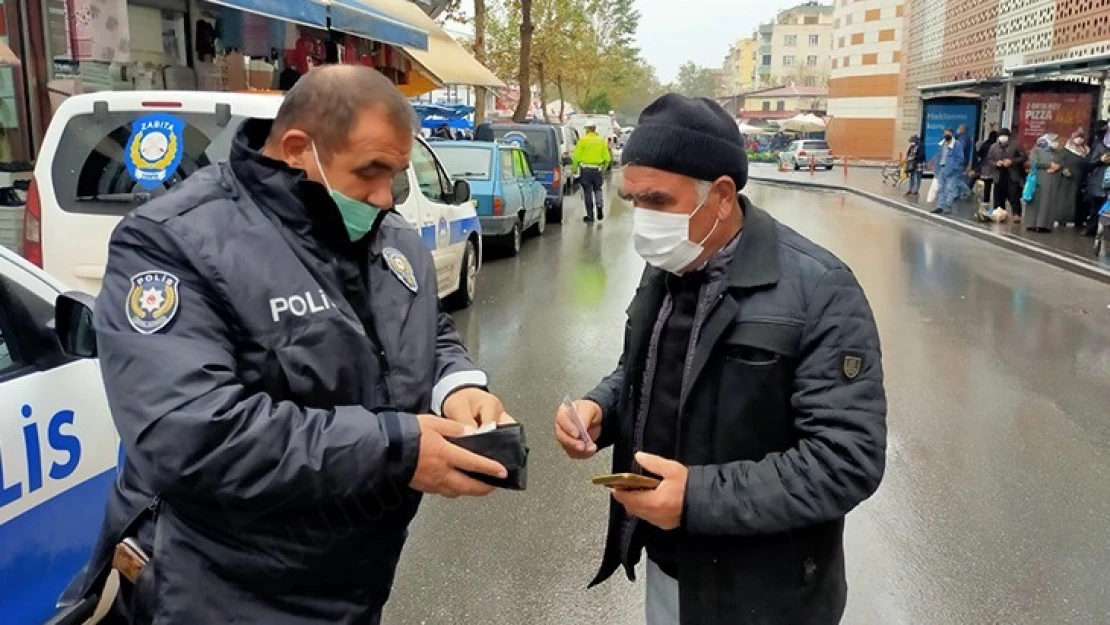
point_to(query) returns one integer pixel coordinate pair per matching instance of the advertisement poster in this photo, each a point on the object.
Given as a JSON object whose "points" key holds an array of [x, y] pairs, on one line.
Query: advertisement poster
{"points": [[948, 114], [1041, 113]]}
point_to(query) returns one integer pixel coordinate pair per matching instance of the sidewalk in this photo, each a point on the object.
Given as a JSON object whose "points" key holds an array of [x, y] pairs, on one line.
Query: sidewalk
{"points": [[1063, 247]]}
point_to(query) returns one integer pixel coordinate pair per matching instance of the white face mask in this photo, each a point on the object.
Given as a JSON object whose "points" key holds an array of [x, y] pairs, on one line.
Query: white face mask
{"points": [[1003, 140], [663, 239]]}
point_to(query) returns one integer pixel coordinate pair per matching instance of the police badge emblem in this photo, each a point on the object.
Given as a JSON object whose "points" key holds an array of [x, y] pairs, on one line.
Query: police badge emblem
{"points": [[401, 268], [853, 364], [153, 301]]}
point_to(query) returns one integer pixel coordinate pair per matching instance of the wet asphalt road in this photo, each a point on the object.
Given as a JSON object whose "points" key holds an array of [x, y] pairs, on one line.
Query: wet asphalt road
{"points": [[996, 503]]}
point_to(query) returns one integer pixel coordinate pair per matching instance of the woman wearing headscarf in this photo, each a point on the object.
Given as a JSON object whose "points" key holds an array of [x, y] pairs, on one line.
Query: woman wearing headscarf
{"points": [[1070, 207], [1044, 162], [983, 166], [1096, 191]]}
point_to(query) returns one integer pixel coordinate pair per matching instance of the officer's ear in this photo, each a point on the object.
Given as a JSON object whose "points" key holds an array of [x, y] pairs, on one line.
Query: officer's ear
{"points": [[296, 149]]}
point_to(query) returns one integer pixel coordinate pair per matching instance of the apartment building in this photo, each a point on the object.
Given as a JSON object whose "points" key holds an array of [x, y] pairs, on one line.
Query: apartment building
{"points": [[740, 66], [866, 77], [801, 44]]}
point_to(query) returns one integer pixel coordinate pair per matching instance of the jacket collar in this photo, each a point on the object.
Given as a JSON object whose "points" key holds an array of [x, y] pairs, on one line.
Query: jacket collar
{"points": [[281, 190], [756, 260]]}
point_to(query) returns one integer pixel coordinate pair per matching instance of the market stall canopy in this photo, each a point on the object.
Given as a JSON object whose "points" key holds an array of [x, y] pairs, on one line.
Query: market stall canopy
{"points": [[806, 122], [436, 115], [749, 129], [7, 57], [444, 62], [369, 19], [305, 12]]}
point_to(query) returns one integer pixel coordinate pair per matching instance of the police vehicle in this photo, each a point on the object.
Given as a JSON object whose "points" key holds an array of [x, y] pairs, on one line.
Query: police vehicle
{"points": [[106, 153], [58, 447]]}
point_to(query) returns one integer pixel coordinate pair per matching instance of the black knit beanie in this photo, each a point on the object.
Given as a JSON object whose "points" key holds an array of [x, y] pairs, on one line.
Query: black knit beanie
{"points": [[690, 136]]}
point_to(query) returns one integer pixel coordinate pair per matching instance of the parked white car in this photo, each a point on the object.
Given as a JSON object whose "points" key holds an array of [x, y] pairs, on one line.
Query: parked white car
{"points": [[96, 166], [58, 447]]}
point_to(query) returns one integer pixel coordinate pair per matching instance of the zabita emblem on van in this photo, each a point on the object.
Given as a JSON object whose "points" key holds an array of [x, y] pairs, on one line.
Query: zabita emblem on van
{"points": [[401, 267], [153, 301], [154, 150]]}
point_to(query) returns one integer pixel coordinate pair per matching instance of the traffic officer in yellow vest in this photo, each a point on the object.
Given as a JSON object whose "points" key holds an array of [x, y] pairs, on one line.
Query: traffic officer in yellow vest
{"points": [[591, 159]]}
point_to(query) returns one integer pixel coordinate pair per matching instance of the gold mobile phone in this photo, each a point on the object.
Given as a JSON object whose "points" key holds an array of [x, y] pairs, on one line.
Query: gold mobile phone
{"points": [[626, 481]]}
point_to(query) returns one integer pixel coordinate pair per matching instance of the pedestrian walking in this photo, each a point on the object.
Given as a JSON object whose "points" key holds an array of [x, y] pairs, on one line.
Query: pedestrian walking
{"points": [[915, 163], [761, 411], [1043, 210], [1007, 165], [967, 145], [591, 160], [983, 168], [950, 170], [273, 350], [1099, 163], [1075, 162]]}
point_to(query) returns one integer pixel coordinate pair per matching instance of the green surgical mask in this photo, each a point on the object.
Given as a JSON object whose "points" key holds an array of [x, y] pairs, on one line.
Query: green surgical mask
{"points": [[358, 217]]}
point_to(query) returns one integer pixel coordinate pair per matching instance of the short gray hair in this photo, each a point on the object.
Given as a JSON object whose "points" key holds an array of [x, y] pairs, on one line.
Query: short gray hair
{"points": [[327, 101]]}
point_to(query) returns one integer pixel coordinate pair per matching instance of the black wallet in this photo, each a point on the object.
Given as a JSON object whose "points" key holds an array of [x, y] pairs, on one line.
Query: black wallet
{"points": [[505, 444]]}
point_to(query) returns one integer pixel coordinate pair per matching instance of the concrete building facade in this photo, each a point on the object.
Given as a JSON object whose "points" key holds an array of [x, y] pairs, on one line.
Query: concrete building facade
{"points": [[866, 77], [801, 42], [740, 66]]}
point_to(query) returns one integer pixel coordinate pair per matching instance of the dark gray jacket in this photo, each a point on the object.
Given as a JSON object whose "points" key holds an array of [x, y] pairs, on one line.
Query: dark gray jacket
{"points": [[782, 424], [264, 374], [1096, 178]]}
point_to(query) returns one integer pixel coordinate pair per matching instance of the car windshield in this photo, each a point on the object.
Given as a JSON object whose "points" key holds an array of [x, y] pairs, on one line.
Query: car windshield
{"points": [[538, 142], [94, 172], [471, 163]]}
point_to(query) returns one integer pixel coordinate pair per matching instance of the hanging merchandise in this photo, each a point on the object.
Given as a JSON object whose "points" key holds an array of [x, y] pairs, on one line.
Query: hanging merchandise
{"points": [[99, 29]]}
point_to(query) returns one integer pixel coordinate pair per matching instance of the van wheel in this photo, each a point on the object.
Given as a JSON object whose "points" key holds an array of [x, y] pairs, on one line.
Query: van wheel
{"points": [[796, 165], [555, 213], [468, 279], [513, 241]]}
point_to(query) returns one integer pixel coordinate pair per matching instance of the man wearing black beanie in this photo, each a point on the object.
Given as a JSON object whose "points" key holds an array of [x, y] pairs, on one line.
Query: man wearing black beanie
{"points": [[751, 386]]}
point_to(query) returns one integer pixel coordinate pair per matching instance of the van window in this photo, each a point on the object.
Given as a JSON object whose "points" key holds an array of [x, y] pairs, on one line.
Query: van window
{"points": [[427, 173], [7, 360], [539, 141], [90, 173]]}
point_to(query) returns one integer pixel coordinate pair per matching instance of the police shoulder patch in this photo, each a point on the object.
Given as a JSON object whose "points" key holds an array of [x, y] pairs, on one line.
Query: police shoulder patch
{"points": [[401, 268], [153, 301], [852, 365]]}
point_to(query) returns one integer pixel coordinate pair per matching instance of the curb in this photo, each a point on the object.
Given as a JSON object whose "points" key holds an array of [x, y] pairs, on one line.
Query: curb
{"points": [[1061, 260]]}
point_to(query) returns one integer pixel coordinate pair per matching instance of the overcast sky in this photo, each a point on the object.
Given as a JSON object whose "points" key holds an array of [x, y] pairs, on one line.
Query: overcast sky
{"points": [[675, 31]]}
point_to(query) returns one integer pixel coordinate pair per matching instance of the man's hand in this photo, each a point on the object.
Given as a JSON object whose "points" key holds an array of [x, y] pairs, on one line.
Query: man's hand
{"points": [[567, 434], [662, 507], [474, 407], [1053, 168], [439, 470]]}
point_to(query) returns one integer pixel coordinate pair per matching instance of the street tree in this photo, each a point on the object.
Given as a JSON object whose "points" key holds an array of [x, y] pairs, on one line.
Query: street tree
{"points": [[695, 81]]}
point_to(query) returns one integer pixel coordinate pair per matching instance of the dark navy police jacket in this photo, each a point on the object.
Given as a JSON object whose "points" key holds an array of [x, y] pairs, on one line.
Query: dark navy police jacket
{"points": [[264, 374]]}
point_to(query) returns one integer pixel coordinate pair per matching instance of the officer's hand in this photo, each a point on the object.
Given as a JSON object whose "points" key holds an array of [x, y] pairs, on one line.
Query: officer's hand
{"points": [[567, 433], [474, 407], [439, 470]]}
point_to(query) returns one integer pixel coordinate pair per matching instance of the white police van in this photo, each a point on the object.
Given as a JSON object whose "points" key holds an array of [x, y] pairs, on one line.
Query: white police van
{"points": [[106, 153], [58, 446]]}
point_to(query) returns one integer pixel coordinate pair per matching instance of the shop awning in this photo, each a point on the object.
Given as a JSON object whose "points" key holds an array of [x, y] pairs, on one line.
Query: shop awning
{"points": [[972, 88], [444, 62], [369, 19], [306, 12], [1095, 65]]}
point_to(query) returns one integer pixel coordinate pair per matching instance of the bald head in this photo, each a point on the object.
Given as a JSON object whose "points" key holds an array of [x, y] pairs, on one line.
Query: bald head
{"points": [[328, 101]]}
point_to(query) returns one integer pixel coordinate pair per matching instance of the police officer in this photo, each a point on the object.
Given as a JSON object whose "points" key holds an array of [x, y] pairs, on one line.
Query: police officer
{"points": [[592, 158], [273, 351]]}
